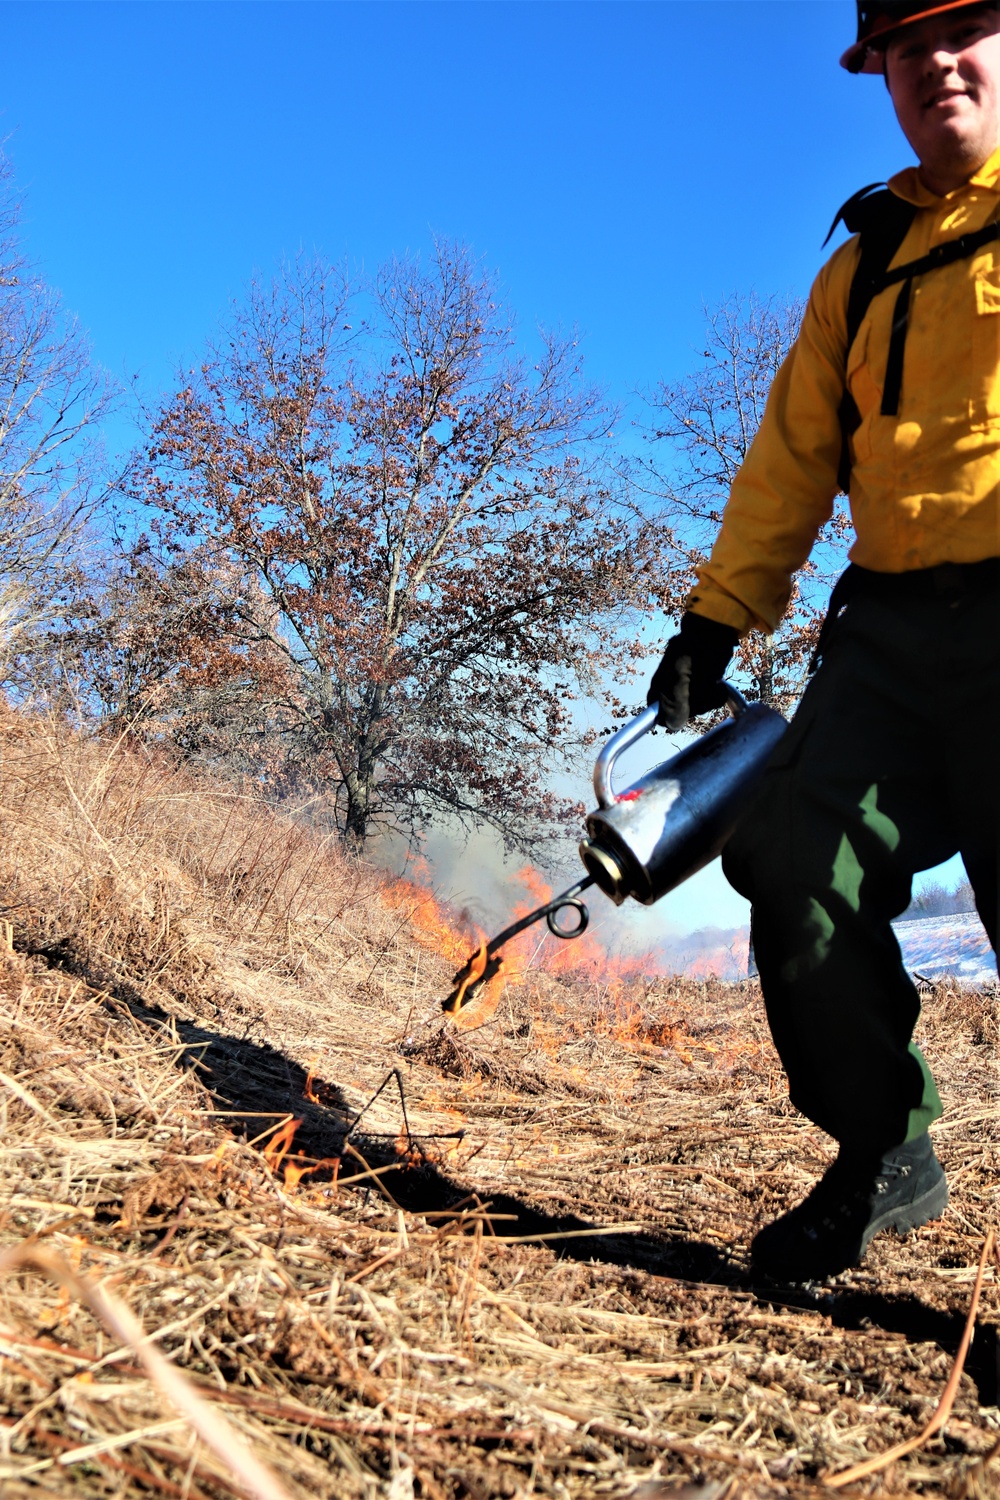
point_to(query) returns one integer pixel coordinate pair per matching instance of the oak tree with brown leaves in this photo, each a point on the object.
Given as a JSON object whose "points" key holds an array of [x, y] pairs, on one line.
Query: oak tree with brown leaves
{"points": [[425, 513], [157, 649]]}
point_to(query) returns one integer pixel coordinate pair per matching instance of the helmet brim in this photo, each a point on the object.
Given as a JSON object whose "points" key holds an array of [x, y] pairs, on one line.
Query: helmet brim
{"points": [[862, 57], [867, 56]]}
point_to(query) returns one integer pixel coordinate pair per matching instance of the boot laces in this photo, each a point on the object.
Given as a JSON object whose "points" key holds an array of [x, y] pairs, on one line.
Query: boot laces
{"points": [[846, 1191]]}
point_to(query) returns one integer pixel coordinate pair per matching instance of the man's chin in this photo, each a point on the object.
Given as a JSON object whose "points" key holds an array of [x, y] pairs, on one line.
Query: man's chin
{"points": [[949, 157], [957, 118], [957, 112]]}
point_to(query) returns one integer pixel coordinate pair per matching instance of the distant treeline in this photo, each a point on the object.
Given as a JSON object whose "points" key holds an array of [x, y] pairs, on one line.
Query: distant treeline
{"points": [[935, 900]]}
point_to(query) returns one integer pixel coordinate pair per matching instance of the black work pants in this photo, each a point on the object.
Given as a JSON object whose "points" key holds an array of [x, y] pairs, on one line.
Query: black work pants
{"points": [[890, 766]]}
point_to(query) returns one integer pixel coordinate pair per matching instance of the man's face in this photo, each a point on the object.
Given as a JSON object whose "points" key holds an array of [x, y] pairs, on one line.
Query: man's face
{"points": [[944, 79]]}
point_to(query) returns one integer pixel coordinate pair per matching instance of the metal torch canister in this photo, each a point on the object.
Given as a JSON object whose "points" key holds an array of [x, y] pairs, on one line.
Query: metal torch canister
{"points": [[675, 819]]}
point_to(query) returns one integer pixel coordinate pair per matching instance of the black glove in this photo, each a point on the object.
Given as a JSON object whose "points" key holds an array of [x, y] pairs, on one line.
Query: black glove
{"points": [[686, 683]]}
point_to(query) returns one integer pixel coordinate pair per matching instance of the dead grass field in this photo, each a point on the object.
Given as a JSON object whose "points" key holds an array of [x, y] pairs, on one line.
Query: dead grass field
{"points": [[533, 1283]]}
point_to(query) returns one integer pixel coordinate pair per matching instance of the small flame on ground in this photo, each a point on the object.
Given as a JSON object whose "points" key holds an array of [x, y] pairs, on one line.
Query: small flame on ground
{"points": [[300, 1166], [295, 1171], [294, 1168], [308, 1092], [408, 1152], [279, 1145]]}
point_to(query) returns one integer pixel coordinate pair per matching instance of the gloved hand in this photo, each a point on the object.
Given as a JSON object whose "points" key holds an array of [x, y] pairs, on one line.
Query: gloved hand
{"points": [[687, 681]]}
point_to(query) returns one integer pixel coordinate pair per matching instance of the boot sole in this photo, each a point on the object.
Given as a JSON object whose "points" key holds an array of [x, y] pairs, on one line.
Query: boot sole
{"points": [[930, 1205]]}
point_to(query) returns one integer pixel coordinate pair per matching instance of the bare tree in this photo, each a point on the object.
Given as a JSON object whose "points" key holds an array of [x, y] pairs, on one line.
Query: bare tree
{"points": [[421, 509], [699, 434], [52, 402]]}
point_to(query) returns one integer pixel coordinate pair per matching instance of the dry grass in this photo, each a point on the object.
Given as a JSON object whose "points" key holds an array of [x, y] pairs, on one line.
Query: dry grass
{"points": [[556, 1302]]}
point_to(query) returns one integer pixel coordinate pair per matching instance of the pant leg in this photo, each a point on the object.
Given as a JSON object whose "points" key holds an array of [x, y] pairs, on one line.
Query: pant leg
{"points": [[973, 686], [855, 801], [981, 868]]}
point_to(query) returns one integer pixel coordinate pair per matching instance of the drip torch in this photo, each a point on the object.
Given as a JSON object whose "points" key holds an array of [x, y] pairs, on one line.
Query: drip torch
{"points": [[646, 840]]}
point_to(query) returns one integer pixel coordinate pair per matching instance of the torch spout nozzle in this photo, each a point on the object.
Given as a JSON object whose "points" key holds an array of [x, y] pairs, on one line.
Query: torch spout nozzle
{"points": [[485, 964]]}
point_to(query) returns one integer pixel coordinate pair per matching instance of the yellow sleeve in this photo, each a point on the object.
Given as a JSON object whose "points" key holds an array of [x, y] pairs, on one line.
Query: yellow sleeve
{"points": [[785, 490]]}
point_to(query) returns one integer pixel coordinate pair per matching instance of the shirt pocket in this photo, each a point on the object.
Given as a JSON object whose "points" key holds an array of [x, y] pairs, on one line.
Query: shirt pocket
{"points": [[984, 406], [866, 393]]}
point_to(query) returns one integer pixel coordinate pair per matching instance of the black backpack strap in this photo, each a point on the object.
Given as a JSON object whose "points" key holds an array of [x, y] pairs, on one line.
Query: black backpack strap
{"points": [[847, 212], [942, 255], [882, 220]]}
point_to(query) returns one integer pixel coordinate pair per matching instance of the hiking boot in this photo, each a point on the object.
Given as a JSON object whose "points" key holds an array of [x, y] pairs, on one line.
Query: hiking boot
{"points": [[853, 1200]]}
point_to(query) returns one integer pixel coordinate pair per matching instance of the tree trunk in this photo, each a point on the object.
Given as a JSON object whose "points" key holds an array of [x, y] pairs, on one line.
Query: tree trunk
{"points": [[359, 783], [765, 678]]}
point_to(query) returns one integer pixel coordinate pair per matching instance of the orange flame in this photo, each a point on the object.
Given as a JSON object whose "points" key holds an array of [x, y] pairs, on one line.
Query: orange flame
{"points": [[483, 1005], [308, 1092], [277, 1147], [298, 1167], [295, 1170], [469, 1011], [431, 923], [474, 969]]}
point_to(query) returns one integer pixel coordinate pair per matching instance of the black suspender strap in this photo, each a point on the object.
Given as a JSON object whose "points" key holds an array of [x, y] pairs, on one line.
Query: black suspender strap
{"points": [[897, 348]]}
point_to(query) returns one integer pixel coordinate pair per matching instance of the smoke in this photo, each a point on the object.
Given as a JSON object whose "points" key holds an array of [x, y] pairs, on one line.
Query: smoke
{"points": [[480, 885], [718, 951]]}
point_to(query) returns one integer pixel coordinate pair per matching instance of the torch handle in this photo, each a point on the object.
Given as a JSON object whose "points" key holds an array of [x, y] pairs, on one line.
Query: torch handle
{"points": [[605, 762], [642, 724]]}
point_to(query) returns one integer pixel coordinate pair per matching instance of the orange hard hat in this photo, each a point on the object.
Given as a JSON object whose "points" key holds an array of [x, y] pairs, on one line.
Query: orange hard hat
{"points": [[878, 21]]}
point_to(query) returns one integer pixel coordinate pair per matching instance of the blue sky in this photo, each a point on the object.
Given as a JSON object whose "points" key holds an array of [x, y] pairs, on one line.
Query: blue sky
{"points": [[621, 165]]}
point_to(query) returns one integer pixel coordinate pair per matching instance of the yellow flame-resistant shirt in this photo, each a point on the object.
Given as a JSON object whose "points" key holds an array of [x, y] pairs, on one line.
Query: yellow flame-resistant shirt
{"points": [[924, 484]]}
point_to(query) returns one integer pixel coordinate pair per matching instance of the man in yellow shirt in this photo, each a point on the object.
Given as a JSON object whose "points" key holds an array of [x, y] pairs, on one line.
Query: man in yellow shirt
{"points": [[892, 392]]}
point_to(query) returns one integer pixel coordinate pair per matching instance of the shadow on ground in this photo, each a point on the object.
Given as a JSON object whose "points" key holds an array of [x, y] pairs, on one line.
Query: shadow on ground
{"points": [[255, 1083]]}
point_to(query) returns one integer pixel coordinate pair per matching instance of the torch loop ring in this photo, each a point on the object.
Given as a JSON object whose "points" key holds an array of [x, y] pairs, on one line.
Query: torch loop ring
{"points": [[572, 904], [550, 912]]}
